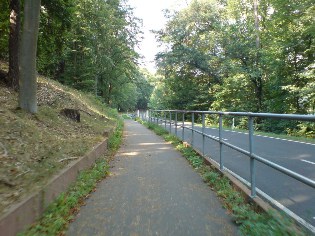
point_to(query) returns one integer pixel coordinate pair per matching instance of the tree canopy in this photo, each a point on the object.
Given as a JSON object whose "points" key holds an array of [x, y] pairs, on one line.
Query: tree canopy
{"points": [[238, 55], [89, 45]]}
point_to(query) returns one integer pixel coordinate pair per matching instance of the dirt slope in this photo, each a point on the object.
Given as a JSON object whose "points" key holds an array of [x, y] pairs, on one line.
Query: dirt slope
{"points": [[34, 147]]}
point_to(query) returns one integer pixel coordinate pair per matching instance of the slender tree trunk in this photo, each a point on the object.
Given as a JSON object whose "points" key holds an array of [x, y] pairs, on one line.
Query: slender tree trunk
{"points": [[13, 74], [110, 87], [257, 26], [96, 85], [258, 76], [28, 81]]}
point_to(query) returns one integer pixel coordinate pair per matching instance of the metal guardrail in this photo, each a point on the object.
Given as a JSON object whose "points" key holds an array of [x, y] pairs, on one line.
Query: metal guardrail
{"points": [[155, 115]]}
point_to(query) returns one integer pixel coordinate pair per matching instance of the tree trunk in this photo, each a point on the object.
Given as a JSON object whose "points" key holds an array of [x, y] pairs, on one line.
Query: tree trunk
{"points": [[257, 26], [28, 81], [13, 74], [110, 87], [258, 76]]}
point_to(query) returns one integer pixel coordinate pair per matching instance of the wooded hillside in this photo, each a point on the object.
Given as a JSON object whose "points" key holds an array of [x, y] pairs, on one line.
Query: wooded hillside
{"points": [[89, 45]]}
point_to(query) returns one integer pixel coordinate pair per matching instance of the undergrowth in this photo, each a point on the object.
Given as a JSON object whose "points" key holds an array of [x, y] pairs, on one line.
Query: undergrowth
{"points": [[62, 211], [250, 220], [126, 117], [115, 139]]}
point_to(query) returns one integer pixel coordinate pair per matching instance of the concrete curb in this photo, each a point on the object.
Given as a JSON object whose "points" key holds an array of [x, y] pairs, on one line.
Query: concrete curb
{"points": [[21, 215], [238, 185]]}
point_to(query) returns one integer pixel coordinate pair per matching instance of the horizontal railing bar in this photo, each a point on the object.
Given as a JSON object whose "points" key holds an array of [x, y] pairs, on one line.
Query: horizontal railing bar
{"points": [[212, 137], [273, 165], [272, 201], [251, 114], [186, 127], [286, 171], [198, 132], [236, 148]]}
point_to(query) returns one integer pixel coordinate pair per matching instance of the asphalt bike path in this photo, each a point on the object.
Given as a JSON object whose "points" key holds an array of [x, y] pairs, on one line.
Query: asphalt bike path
{"points": [[152, 190]]}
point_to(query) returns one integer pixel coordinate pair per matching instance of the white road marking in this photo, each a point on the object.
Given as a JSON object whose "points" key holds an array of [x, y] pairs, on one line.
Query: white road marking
{"points": [[216, 137], [313, 163], [283, 139], [264, 136]]}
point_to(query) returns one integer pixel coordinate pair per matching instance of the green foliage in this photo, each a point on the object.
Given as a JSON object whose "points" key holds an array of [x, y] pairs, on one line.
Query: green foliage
{"points": [[89, 45], [125, 117], [157, 129], [115, 138], [144, 89], [217, 58], [55, 24], [4, 29], [159, 98]]}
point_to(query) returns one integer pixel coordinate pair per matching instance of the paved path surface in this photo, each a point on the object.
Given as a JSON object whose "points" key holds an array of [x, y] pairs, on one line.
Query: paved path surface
{"points": [[152, 191]]}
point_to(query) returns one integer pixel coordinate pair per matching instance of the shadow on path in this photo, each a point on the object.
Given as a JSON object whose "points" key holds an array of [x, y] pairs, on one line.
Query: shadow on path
{"points": [[152, 190]]}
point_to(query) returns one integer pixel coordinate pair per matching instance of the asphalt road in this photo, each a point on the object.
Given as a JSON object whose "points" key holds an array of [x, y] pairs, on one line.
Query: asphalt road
{"points": [[296, 156], [152, 190]]}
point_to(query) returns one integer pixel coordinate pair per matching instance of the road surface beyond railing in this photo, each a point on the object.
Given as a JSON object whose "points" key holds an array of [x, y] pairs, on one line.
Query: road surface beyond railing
{"points": [[170, 117]]}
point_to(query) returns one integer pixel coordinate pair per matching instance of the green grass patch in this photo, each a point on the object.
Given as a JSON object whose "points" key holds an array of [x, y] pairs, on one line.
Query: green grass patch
{"points": [[250, 220], [126, 117], [62, 211], [115, 139], [59, 213]]}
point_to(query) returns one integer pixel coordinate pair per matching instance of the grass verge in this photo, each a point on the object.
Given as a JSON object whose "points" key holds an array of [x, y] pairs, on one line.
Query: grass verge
{"points": [[62, 211], [249, 218], [126, 117]]}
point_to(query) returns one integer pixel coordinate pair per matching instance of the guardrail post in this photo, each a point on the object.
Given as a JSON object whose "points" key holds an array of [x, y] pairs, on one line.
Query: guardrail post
{"points": [[203, 134], [149, 116], [252, 159], [183, 133], [192, 128], [220, 141], [176, 123], [160, 118], [165, 121], [170, 122]]}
